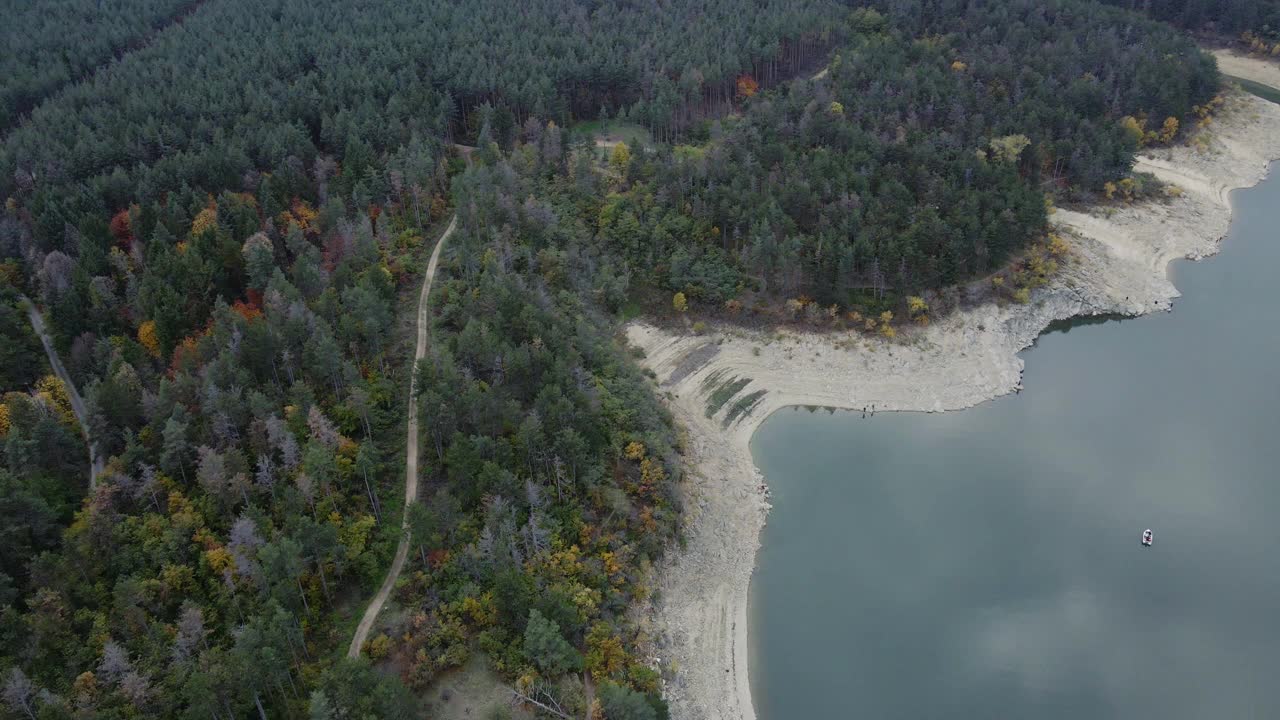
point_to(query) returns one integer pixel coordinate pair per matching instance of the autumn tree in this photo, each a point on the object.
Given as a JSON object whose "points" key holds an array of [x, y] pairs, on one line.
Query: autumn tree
{"points": [[1008, 147], [620, 158]]}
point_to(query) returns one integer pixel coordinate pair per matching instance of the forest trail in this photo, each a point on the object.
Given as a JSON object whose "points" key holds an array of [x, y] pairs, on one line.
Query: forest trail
{"points": [[96, 463], [410, 458]]}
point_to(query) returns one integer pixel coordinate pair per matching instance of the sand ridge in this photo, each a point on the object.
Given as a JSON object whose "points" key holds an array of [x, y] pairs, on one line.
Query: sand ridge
{"points": [[1119, 266]]}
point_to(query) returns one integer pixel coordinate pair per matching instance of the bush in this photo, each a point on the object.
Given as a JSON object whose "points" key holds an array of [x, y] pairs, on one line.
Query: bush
{"points": [[623, 703]]}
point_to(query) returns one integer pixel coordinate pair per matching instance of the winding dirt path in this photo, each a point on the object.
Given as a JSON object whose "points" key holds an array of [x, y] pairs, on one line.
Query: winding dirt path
{"points": [[410, 458], [96, 461]]}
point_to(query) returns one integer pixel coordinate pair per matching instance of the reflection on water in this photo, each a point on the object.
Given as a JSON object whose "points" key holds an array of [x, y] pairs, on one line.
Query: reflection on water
{"points": [[1067, 325], [987, 564]]}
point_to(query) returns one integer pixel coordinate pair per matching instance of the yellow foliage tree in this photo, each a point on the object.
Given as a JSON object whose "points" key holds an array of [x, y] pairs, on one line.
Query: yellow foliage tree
{"points": [[679, 302], [634, 451], [355, 536], [605, 654], [836, 108], [1128, 187], [886, 329], [483, 611], [918, 309], [652, 473], [1110, 190], [4, 420], [219, 559], [1057, 246], [1009, 147], [1169, 129], [177, 580], [147, 337], [205, 220], [1136, 128], [51, 390], [620, 158], [379, 647], [959, 66]]}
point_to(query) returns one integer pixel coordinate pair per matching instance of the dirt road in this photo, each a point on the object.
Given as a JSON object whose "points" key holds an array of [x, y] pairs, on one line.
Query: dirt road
{"points": [[96, 461], [410, 461]]}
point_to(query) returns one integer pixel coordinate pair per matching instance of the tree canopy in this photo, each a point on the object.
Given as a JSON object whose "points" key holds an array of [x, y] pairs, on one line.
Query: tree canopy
{"points": [[224, 208]]}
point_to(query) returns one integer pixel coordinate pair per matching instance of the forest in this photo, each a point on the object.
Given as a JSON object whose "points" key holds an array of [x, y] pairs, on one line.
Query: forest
{"points": [[1225, 18], [49, 45], [223, 211], [921, 160]]}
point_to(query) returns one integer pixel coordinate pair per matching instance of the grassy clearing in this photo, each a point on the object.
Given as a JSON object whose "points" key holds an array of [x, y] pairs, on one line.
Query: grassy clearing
{"points": [[629, 311], [472, 692], [615, 131]]}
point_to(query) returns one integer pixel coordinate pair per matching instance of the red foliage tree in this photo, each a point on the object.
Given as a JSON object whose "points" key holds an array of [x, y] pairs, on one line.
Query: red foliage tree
{"points": [[122, 227]]}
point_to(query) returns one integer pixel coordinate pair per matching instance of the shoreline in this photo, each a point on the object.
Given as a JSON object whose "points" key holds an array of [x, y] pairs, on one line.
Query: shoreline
{"points": [[1119, 266]]}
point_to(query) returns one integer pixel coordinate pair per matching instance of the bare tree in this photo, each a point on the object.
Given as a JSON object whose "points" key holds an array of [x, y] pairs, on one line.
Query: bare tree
{"points": [[191, 632], [322, 429], [19, 692], [136, 687], [538, 696], [115, 662], [55, 274]]}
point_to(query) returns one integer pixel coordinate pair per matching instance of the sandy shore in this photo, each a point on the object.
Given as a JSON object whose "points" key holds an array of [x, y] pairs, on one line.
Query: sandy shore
{"points": [[1120, 257], [1249, 68]]}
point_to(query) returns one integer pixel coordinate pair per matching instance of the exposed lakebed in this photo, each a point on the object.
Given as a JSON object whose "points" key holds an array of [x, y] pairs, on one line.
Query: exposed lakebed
{"points": [[987, 563]]}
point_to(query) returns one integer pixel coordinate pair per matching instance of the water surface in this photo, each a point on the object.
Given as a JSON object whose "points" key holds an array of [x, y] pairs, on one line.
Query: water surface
{"points": [[986, 564]]}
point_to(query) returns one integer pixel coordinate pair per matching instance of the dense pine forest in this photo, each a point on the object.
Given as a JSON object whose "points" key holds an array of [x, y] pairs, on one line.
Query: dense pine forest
{"points": [[49, 45], [1227, 18], [921, 160], [223, 211]]}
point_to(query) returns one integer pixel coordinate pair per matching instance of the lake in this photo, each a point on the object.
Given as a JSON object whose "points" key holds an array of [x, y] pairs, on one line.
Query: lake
{"points": [[987, 563]]}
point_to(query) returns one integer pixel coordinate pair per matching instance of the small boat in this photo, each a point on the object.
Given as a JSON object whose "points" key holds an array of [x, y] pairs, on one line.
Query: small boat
{"points": [[1146, 537]]}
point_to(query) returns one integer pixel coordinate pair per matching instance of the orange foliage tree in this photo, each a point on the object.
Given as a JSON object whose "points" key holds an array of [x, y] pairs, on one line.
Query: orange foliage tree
{"points": [[247, 310], [148, 338], [747, 86]]}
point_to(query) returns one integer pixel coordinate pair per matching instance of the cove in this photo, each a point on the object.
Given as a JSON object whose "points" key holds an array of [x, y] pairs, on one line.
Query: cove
{"points": [[987, 564]]}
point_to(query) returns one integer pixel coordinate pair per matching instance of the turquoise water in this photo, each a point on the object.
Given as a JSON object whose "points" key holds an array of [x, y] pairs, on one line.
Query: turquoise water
{"points": [[987, 564]]}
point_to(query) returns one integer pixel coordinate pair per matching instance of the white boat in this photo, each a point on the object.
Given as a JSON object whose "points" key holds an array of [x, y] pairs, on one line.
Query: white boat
{"points": [[1146, 537]]}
